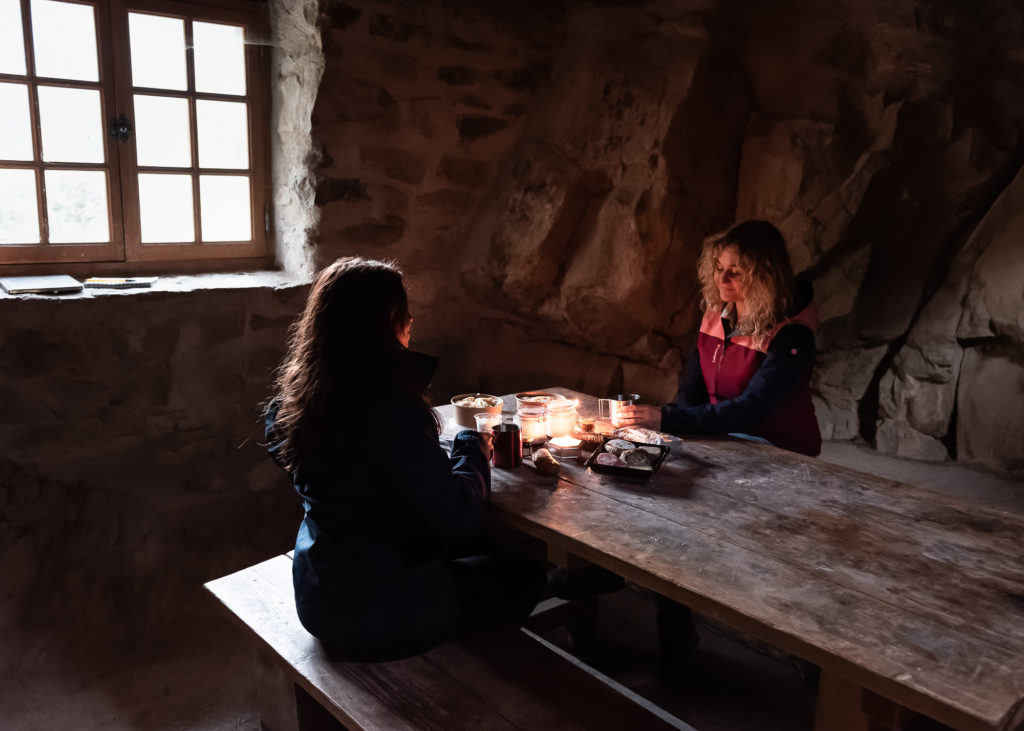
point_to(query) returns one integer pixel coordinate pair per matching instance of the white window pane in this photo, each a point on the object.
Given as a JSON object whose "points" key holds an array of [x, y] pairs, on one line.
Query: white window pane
{"points": [[72, 124], [162, 131], [157, 51], [19, 212], [219, 58], [225, 210], [64, 40], [76, 206], [12, 41], [165, 208], [15, 123], [223, 134]]}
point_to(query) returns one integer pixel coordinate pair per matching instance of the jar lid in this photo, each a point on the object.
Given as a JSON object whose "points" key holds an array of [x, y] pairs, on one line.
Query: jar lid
{"points": [[561, 405]]}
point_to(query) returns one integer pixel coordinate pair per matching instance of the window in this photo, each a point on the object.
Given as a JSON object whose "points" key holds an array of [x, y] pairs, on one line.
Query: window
{"points": [[132, 132]]}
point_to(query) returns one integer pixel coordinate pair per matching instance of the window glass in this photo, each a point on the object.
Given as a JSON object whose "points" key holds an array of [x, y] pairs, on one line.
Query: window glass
{"points": [[162, 131], [19, 207], [223, 134], [64, 40], [165, 206], [224, 203], [72, 124], [12, 39], [15, 123], [76, 206], [219, 58], [157, 51]]}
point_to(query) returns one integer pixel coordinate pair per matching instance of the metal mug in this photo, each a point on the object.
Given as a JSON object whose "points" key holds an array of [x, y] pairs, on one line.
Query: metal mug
{"points": [[609, 408]]}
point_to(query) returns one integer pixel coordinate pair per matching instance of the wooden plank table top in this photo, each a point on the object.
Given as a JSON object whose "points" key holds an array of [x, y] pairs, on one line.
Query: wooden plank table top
{"points": [[909, 594]]}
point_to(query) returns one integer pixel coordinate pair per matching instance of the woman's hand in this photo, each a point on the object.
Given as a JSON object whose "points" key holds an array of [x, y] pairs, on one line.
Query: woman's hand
{"points": [[638, 415], [486, 442]]}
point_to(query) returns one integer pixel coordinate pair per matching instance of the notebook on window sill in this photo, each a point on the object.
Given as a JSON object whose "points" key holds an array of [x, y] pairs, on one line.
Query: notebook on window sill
{"points": [[49, 284]]}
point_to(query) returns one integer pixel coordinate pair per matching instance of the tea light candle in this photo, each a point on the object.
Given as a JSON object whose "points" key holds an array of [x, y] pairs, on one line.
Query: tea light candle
{"points": [[564, 446], [561, 418]]}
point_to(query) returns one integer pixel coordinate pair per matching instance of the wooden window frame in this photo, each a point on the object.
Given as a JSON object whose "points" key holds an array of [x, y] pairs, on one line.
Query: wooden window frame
{"points": [[126, 251]]}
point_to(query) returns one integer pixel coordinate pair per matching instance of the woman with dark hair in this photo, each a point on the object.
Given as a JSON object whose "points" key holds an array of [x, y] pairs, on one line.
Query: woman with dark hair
{"points": [[750, 372], [374, 574]]}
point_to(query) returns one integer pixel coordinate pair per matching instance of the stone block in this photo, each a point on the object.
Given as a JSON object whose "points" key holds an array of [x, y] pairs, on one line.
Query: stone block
{"points": [[525, 78], [394, 29], [402, 165], [329, 190], [454, 41], [458, 75], [899, 439], [447, 201], [464, 171], [375, 233], [473, 126], [339, 15], [990, 420]]}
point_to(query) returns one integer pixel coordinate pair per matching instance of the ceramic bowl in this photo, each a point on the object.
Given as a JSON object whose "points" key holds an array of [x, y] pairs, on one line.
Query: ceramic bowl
{"points": [[464, 414]]}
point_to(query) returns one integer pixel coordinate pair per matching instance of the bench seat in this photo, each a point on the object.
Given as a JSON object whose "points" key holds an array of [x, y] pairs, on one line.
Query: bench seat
{"points": [[495, 680]]}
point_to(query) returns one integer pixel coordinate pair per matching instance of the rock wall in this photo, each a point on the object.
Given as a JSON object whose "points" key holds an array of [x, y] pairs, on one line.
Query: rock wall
{"points": [[546, 175], [131, 469]]}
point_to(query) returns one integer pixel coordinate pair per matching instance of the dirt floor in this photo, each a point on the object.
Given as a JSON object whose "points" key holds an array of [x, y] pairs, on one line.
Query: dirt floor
{"points": [[198, 678]]}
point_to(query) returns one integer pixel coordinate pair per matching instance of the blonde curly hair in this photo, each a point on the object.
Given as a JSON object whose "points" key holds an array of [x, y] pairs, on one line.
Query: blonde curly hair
{"points": [[768, 275]]}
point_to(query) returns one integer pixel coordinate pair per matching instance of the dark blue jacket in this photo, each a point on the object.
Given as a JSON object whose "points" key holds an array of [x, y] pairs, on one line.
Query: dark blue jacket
{"points": [[369, 564]]}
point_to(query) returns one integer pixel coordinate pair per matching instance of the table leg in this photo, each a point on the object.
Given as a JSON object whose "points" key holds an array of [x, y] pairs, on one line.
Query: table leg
{"points": [[845, 706]]}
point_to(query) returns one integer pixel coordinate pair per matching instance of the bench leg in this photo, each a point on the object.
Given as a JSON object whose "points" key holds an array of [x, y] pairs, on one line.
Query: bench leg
{"points": [[845, 706], [275, 696]]}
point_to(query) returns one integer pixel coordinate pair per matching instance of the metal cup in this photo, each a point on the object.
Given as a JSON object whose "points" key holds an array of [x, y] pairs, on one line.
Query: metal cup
{"points": [[610, 408]]}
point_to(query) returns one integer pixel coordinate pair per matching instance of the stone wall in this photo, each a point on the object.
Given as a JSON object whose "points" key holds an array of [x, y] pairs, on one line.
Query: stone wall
{"points": [[546, 175], [131, 468]]}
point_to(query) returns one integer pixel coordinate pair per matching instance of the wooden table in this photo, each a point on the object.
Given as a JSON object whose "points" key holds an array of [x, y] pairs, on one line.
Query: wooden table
{"points": [[906, 599]]}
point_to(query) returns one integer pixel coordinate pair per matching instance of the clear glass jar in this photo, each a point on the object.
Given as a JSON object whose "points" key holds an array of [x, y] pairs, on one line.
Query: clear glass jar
{"points": [[561, 418], [533, 422]]}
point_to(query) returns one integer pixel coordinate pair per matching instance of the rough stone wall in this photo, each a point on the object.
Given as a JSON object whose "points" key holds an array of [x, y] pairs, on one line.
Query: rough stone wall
{"points": [[130, 464], [597, 143], [884, 143]]}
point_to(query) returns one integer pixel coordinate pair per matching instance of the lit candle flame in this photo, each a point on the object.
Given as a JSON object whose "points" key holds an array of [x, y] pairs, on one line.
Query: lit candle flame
{"points": [[565, 442]]}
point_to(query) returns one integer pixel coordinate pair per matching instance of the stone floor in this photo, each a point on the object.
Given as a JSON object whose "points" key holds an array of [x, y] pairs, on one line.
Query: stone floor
{"points": [[197, 679]]}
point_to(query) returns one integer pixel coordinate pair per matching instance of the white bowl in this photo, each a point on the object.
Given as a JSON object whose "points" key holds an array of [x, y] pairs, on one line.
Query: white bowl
{"points": [[464, 414], [523, 398]]}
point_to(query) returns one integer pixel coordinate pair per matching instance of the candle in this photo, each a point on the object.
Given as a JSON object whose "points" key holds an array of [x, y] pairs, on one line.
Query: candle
{"points": [[561, 418], [532, 422], [564, 446]]}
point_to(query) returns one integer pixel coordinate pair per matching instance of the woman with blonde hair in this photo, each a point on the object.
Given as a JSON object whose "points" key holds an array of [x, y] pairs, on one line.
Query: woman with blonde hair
{"points": [[749, 375], [375, 572], [750, 371]]}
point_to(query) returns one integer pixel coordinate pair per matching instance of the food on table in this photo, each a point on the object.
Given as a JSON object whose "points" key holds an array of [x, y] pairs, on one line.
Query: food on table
{"points": [[478, 402], [641, 434], [618, 446], [637, 457], [654, 452], [538, 398], [545, 462], [609, 460]]}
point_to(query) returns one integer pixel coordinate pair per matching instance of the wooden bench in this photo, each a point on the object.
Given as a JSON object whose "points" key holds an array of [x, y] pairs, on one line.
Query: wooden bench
{"points": [[497, 680]]}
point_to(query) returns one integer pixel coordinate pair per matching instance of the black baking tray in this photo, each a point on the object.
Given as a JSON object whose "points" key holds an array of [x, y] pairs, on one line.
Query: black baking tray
{"points": [[630, 472]]}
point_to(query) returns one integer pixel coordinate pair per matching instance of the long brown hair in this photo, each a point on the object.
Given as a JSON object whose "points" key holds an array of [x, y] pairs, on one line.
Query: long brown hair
{"points": [[345, 343], [768, 276]]}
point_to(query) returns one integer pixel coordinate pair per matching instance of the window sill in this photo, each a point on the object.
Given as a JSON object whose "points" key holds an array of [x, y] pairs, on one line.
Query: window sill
{"points": [[181, 283]]}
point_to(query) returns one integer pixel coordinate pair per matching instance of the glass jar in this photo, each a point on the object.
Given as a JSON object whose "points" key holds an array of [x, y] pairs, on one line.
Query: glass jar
{"points": [[561, 418], [533, 422]]}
